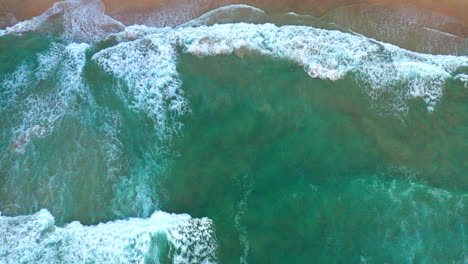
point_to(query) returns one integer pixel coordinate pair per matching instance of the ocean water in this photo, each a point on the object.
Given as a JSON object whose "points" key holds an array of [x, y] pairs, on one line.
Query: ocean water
{"points": [[226, 143]]}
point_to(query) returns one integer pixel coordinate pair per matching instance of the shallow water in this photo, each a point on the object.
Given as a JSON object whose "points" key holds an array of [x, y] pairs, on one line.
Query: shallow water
{"points": [[267, 144]]}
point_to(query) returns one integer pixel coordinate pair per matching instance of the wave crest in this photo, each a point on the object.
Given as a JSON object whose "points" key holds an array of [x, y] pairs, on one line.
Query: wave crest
{"points": [[36, 239], [325, 54]]}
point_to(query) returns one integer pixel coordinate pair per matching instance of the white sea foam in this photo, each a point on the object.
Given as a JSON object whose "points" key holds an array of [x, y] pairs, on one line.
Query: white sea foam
{"points": [[72, 20], [246, 187], [45, 110], [331, 55], [229, 14], [36, 239], [193, 241], [382, 68], [111, 143], [14, 84], [45, 95], [149, 83], [463, 78], [136, 194], [40, 96], [148, 68]]}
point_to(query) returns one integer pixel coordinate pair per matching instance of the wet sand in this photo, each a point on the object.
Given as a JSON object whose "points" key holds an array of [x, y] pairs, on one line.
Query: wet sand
{"points": [[25, 9]]}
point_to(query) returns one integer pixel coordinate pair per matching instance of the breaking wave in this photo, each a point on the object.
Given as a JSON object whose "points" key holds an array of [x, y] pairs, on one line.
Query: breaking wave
{"points": [[36, 239], [323, 54], [144, 60]]}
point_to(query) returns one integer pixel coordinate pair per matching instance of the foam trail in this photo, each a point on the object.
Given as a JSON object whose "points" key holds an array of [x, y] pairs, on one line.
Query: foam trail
{"points": [[44, 111], [40, 97], [381, 68], [147, 67], [246, 187], [410, 211], [36, 239], [15, 84], [111, 143], [137, 193]]}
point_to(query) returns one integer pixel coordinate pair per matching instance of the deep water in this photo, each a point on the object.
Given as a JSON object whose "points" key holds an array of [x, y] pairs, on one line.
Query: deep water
{"points": [[272, 166]]}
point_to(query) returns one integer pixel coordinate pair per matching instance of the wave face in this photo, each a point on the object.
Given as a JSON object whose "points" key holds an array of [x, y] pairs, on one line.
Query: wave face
{"points": [[295, 144]]}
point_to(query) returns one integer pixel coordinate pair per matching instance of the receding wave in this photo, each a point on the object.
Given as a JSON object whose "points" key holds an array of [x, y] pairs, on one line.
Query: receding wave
{"points": [[73, 20]]}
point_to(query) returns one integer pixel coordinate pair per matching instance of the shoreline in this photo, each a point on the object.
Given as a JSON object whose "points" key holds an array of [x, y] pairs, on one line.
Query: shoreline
{"points": [[26, 9]]}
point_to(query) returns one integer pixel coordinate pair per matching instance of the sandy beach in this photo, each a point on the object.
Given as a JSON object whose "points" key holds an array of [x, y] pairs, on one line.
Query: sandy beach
{"points": [[25, 9]]}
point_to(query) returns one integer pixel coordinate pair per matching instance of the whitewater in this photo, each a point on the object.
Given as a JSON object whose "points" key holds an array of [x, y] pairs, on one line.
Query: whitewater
{"points": [[53, 88]]}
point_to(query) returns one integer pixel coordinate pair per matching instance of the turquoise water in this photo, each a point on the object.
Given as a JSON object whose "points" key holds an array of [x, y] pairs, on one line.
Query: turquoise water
{"points": [[279, 149], [301, 170]]}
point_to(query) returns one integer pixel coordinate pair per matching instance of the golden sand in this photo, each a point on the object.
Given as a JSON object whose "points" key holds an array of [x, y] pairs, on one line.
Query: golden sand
{"points": [[25, 9]]}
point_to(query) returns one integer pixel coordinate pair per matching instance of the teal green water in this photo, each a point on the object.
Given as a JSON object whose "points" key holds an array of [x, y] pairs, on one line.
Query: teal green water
{"points": [[289, 168], [303, 171]]}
